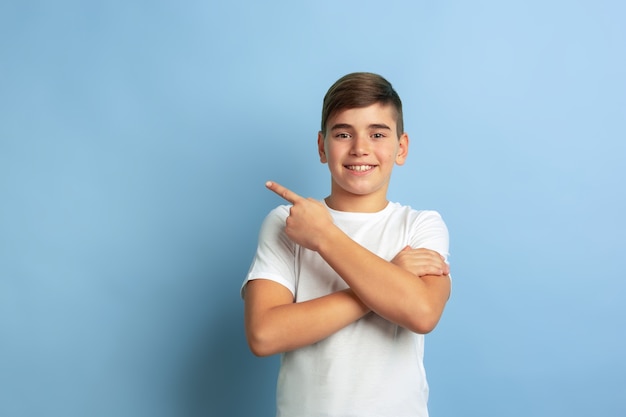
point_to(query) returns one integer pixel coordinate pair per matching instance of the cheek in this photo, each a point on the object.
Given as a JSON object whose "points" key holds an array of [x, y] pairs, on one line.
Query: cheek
{"points": [[332, 152], [390, 155], [393, 154]]}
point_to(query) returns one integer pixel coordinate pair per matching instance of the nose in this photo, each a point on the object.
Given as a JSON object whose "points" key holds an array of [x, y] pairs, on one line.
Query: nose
{"points": [[360, 145]]}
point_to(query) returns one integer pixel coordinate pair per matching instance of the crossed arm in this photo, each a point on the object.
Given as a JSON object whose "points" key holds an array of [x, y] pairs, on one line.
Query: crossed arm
{"points": [[408, 290]]}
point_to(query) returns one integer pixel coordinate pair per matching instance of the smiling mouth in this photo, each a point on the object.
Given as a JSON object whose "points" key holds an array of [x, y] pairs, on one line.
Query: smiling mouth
{"points": [[359, 168]]}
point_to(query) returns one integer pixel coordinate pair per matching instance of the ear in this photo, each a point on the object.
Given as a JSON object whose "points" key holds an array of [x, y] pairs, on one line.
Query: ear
{"points": [[320, 147], [403, 149]]}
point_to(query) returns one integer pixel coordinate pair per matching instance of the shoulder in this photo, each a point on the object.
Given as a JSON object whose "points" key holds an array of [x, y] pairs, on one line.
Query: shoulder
{"points": [[280, 211], [277, 215], [273, 226], [425, 228], [415, 216]]}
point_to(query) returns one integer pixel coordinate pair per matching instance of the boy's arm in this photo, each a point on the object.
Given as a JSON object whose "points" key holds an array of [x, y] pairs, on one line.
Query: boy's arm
{"points": [[413, 302], [275, 324], [388, 289]]}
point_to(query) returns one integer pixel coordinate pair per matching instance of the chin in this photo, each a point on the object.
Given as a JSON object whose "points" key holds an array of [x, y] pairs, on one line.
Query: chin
{"points": [[361, 191]]}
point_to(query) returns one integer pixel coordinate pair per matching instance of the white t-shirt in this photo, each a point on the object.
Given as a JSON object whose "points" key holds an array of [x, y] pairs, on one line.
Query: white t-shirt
{"points": [[371, 368]]}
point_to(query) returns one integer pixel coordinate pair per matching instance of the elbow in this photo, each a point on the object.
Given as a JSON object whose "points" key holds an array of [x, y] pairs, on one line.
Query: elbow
{"points": [[424, 321], [259, 350], [260, 345], [423, 327]]}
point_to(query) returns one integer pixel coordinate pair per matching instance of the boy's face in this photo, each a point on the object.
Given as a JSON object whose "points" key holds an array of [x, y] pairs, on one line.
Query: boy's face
{"points": [[361, 146]]}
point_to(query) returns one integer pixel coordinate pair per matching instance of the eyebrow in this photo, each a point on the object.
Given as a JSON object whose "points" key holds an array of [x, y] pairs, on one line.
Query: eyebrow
{"points": [[348, 126]]}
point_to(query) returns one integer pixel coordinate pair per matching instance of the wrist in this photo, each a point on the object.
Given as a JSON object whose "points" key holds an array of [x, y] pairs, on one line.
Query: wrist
{"points": [[358, 302], [331, 237]]}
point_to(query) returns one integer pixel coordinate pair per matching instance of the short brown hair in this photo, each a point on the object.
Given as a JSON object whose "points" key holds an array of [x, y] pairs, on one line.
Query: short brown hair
{"points": [[361, 89]]}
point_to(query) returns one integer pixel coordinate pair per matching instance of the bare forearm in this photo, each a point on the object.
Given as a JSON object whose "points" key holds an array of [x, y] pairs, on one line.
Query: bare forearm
{"points": [[290, 326], [392, 292]]}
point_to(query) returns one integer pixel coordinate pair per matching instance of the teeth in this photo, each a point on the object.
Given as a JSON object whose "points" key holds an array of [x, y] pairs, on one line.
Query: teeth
{"points": [[360, 168]]}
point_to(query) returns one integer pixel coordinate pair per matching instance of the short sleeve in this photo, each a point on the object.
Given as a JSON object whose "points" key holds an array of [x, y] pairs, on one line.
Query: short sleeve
{"points": [[429, 231], [275, 254]]}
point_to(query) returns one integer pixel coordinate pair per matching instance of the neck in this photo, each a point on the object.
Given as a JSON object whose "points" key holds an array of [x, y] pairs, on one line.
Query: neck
{"points": [[356, 203]]}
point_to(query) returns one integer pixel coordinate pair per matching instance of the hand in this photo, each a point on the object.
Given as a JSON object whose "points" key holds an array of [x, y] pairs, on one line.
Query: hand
{"points": [[421, 262], [308, 218]]}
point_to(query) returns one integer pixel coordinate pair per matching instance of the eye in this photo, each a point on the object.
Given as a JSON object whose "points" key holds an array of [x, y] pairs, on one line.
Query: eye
{"points": [[378, 135], [342, 136]]}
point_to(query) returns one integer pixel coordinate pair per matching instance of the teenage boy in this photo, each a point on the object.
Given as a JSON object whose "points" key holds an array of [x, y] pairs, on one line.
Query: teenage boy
{"points": [[346, 288]]}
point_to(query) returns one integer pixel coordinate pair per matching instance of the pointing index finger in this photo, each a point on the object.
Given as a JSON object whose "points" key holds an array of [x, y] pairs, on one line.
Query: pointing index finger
{"points": [[284, 192]]}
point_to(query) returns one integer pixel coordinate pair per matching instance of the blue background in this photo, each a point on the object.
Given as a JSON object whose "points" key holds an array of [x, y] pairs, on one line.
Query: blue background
{"points": [[135, 138]]}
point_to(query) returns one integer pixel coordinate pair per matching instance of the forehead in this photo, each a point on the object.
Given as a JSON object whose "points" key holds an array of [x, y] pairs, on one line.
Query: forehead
{"points": [[365, 116]]}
